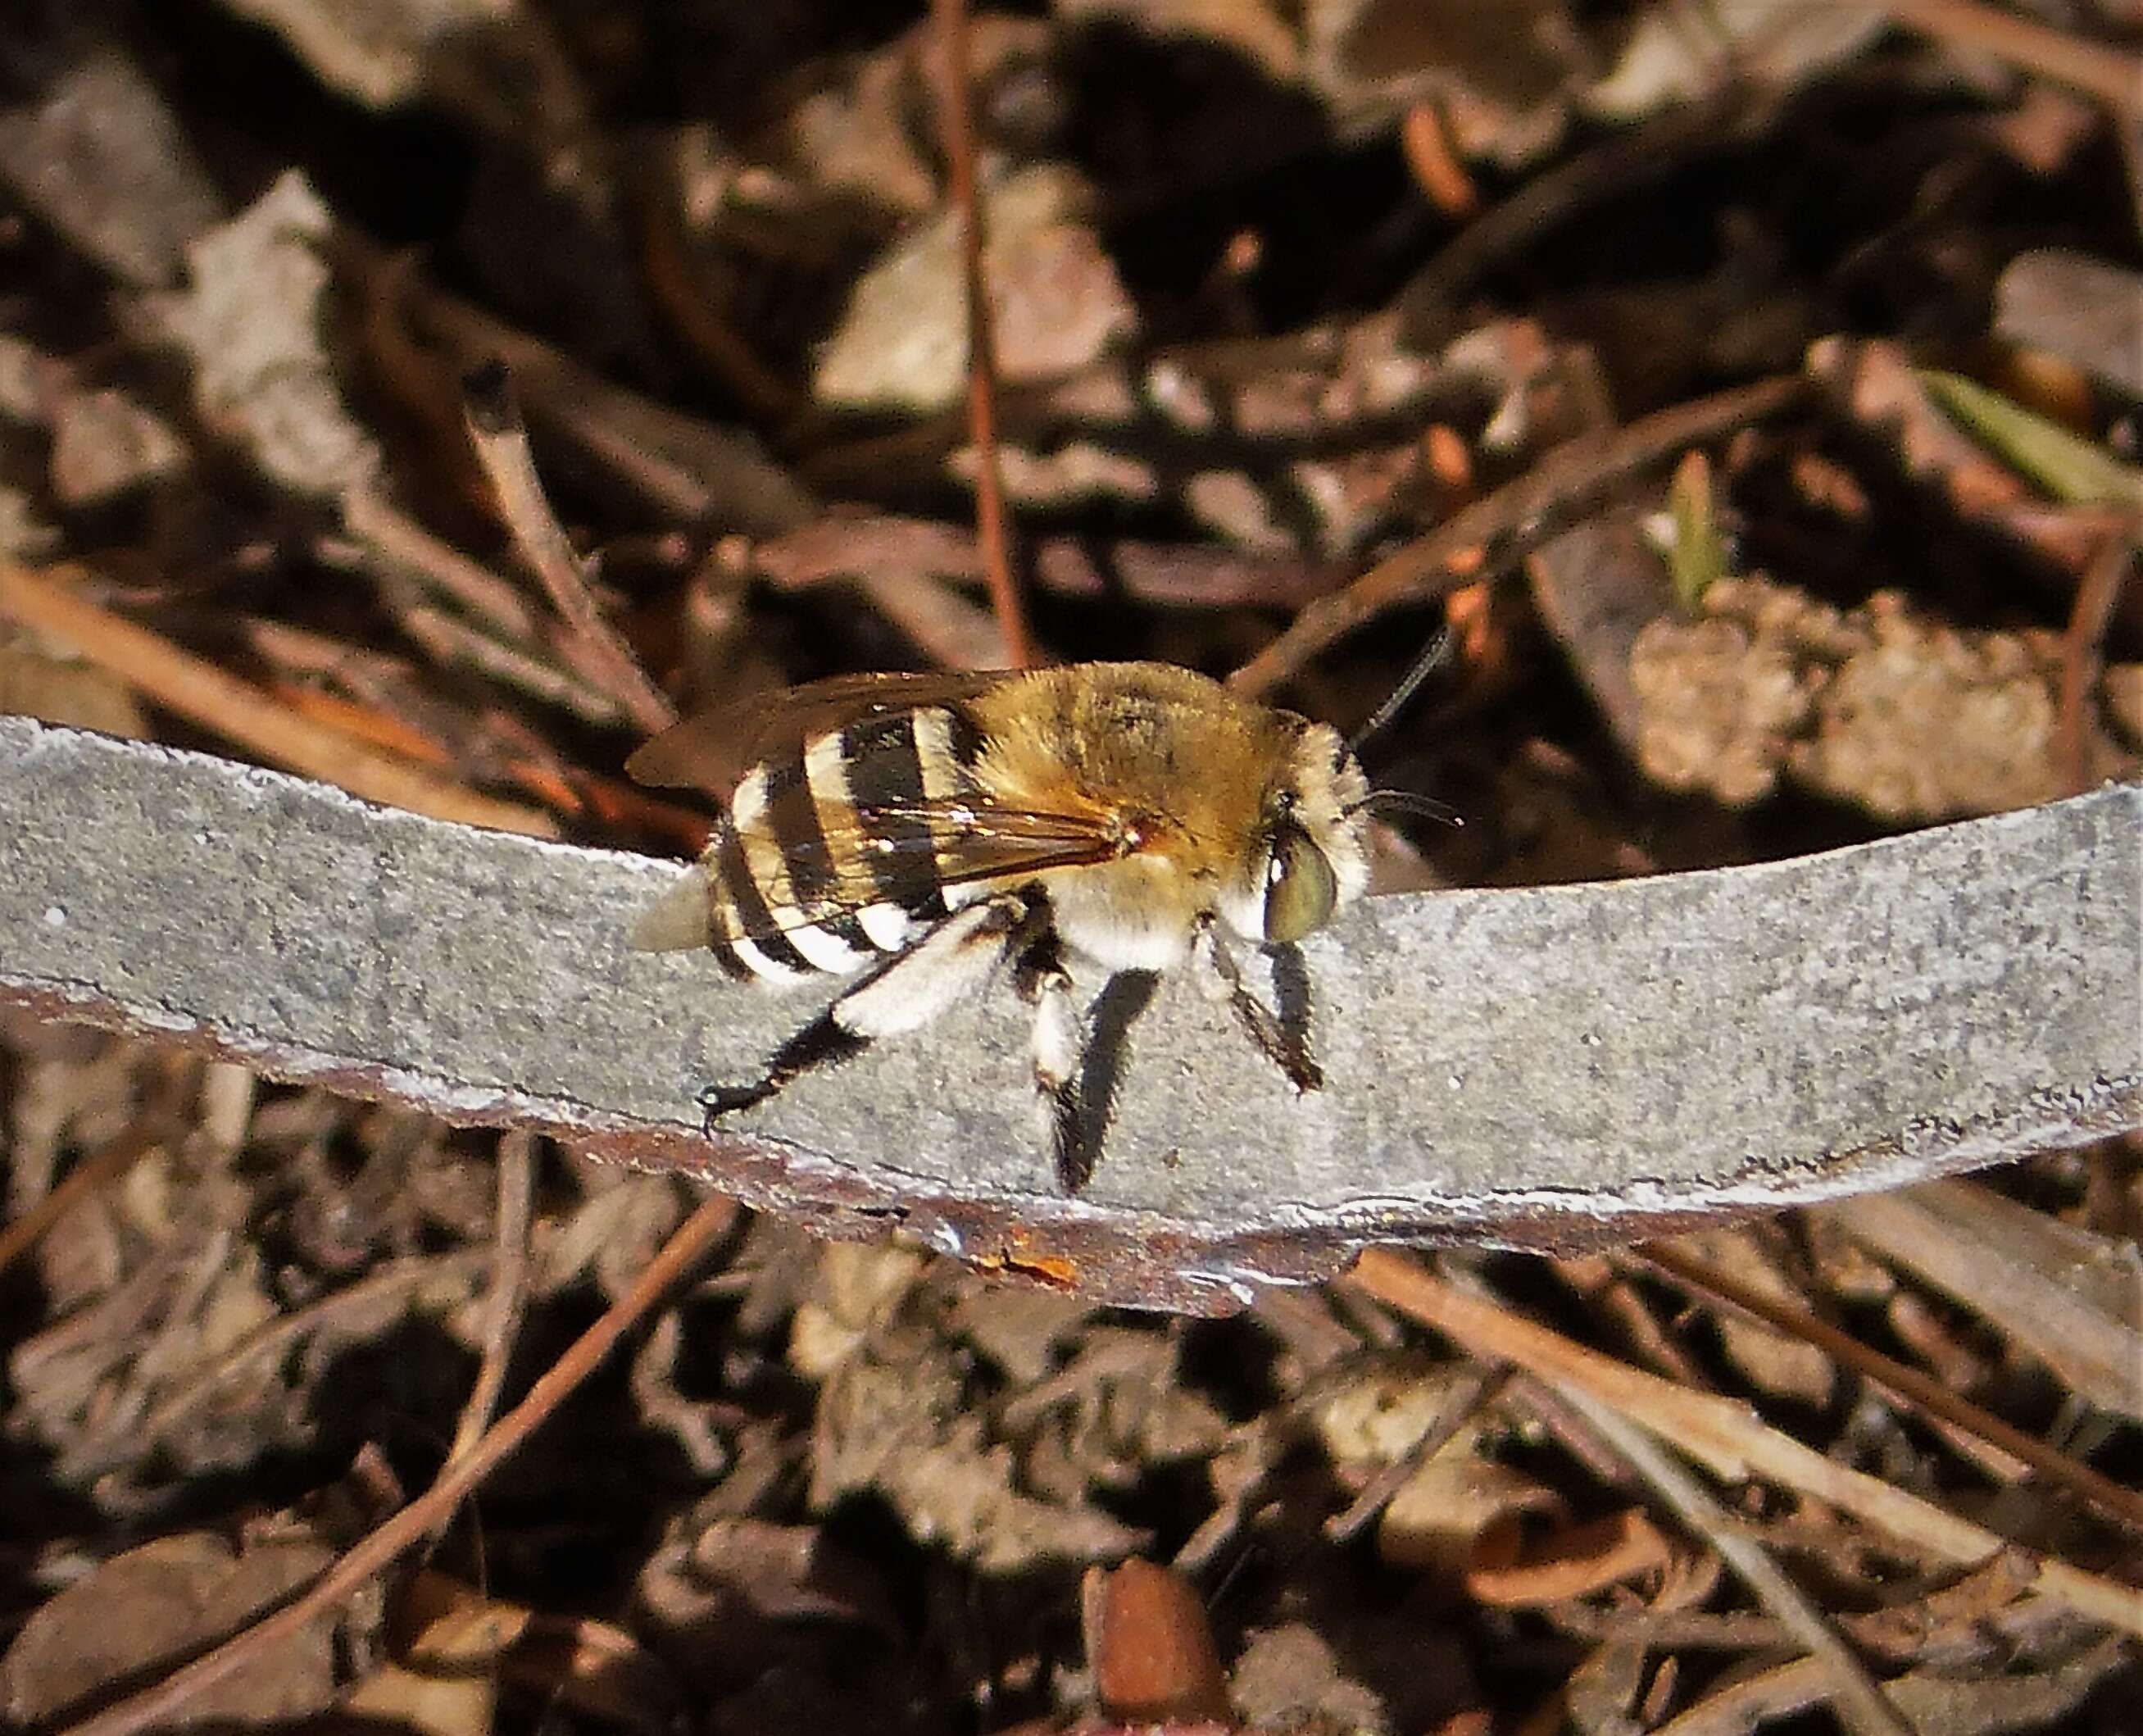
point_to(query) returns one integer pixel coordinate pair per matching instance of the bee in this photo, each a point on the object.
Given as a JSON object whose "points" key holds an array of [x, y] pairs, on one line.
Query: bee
{"points": [[917, 833]]}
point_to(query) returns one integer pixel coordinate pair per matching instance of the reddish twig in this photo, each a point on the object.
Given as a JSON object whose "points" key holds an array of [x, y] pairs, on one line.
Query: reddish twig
{"points": [[1496, 530], [992, 520], [2089, 618], [162, 1704], [1923, 1390], [683, 295]]}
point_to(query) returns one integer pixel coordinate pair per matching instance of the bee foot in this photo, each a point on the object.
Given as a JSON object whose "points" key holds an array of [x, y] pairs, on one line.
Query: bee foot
{"points": [[716, 1101]]}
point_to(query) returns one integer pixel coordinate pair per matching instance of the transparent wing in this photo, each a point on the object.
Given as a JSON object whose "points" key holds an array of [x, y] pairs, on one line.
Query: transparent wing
{"points": [[713, 751]]}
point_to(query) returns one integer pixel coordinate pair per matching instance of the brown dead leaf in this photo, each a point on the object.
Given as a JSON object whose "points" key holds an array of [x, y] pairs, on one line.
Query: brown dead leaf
{"points": [[611, 1234], [1576, 1560], [1441, 1514], [1597, 588], [2086, 310], [1503, 78], [252, 322], [157, 1603], [1055, 298], [859, 1286], [1433, 1521], [1019, 1329], [89, 141], [903, 1428], [1115, 1410], [730, 1599], [106, 446], [792, 1572]]}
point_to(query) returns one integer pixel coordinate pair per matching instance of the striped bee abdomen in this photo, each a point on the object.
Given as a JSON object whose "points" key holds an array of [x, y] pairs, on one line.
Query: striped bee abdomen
{"points": [[824, 857]]}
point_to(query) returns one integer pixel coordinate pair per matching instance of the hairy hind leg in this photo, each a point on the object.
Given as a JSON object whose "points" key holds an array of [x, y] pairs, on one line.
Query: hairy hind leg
{"points": [[903, 994], [1060, 1049]]}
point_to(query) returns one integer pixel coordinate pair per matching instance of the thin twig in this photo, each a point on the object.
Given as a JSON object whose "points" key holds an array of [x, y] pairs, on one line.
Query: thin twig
{"points": [[1859, 1699], [2123, 1504], [455, 642], [1724, 1435], [2081, 644], [161, 1703], [992, 520], [501, 440], [1474, 1390], [100, 1169], [237, 710], [1496, 531], [509, 1285], [2097, 69], [393, 539]]}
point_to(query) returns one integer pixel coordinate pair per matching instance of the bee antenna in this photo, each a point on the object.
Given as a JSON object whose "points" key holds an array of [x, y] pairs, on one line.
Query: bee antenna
{"points": [[1426, 665], [1407, 801]]}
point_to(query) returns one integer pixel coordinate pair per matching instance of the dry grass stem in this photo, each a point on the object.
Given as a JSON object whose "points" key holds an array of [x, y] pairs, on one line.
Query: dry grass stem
{"points": [[1929, 1395], [1859, 1700], [2097, 69], [202, 693], [501, 440], [1724, 1435], [509, 1285]]}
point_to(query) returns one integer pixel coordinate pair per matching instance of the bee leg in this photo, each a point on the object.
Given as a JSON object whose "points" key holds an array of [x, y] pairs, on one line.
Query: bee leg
{"points": [[822, 1042], [1283, 1038], [1060, 1051], [903, 994]]}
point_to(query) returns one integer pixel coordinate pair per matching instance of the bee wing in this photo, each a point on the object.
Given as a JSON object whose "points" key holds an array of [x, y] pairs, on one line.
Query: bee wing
{"points": [[713, 751], [971, 840], [902, 853]]}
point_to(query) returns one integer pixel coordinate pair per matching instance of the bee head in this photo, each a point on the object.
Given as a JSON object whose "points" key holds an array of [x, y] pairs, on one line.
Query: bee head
{"points": [[1309, 854]]}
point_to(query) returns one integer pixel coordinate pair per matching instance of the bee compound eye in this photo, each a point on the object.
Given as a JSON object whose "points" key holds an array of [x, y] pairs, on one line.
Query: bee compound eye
{"points": [[1300, 889]]}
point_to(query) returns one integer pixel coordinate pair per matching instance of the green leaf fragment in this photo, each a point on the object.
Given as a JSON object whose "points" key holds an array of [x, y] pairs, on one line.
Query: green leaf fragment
{"points": [[2068, 467]]}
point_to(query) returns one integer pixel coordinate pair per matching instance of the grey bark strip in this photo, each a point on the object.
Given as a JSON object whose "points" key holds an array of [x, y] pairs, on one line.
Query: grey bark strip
{"points": [[1539, 1068]]}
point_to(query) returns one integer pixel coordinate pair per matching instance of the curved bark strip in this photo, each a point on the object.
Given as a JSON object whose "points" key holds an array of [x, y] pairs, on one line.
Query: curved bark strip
{"points": [[1538, 1068]]}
